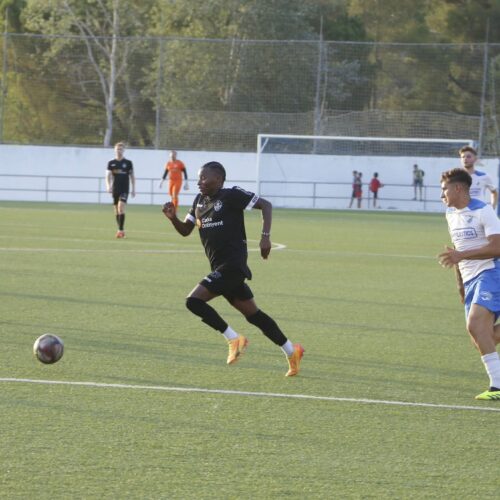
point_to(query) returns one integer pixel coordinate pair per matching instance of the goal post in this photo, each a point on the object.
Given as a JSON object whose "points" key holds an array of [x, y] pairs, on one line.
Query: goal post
{"points": [[308, 171]]}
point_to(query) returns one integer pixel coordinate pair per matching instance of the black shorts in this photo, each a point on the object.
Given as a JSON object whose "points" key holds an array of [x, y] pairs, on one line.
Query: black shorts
{"points": [[120, 197], [228, 282]]}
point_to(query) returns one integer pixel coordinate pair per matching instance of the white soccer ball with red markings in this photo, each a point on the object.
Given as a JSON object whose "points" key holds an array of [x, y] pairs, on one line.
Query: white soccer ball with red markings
{"points": [[48, 348]]}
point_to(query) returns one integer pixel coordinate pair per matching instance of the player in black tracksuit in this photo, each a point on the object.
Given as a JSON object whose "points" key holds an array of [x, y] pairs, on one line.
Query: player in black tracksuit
{"points": [[119, 177], [218, 213]]}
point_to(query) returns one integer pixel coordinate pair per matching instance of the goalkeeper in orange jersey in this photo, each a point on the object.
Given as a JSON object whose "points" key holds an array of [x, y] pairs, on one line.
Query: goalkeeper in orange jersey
{"points": [[175, 169]]}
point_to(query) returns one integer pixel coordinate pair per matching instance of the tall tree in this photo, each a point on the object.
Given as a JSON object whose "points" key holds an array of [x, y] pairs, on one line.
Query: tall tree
{"points": [[12, 9], [393, 20], [465, 21], [101, 26], [255, 73], [475, 76]]}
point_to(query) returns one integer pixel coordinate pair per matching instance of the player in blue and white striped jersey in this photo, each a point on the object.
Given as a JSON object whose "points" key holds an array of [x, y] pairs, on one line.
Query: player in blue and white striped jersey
{"points": [[475, 233], [482, 187]]}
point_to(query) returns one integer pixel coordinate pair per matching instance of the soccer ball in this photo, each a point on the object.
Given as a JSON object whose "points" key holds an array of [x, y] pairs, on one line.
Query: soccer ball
{"points": [[48, 348]]}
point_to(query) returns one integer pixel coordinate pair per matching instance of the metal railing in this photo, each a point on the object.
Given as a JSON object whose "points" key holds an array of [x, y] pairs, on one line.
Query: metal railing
{"points": [[307, 194]]}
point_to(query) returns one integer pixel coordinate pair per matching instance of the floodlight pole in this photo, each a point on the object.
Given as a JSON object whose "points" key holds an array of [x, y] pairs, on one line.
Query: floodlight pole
{"points": [[260, 147], [257, 168], [159, 85], [159, 81]]}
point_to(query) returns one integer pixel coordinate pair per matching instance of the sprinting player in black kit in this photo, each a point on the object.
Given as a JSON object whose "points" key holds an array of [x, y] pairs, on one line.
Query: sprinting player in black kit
{"points": [[218, 213], [119, 172]]}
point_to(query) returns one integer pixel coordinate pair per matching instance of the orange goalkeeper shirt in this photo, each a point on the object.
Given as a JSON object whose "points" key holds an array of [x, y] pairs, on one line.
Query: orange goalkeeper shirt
{"points": [[175, 170]]}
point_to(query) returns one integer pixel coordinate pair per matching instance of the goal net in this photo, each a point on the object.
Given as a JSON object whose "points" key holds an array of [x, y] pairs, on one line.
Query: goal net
{"points": [[302, 171]]}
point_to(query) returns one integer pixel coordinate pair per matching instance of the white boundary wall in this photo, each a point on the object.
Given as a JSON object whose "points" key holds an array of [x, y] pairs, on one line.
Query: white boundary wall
{"points": [[79, 162], [92, 162], [395, 171], [241, 169]]}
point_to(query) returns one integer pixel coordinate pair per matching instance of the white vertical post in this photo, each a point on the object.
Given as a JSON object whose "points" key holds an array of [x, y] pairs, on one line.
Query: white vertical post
{"points": [[257, 172]]}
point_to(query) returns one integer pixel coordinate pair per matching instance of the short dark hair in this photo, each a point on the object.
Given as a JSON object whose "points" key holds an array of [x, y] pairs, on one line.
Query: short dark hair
{"points": [[217, 167], [470, 149], [457, 175]]}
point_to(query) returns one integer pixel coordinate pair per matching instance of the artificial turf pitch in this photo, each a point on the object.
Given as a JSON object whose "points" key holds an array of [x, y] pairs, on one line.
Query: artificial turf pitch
{"points": [[147, 408]]}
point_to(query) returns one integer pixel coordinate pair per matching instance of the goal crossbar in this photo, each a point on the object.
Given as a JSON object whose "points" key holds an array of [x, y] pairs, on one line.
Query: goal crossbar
{"points": [[354, 138], [270, 144]]}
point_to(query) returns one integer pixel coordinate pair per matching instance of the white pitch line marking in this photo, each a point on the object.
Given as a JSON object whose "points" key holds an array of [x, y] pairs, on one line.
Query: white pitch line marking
{"points": [[90, 250], [275, 247], [247, 393], [362, 254]]}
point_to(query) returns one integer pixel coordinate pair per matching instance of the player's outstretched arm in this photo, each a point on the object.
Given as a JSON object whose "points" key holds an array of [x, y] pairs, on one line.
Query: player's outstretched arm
{"points": [[184, 228], [267, 216]]}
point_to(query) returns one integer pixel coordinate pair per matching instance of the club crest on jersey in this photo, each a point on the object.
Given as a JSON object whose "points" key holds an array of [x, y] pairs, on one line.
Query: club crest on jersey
{"points": [[217, 205]]}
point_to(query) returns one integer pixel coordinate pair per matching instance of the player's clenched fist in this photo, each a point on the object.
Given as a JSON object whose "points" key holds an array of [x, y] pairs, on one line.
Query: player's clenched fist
{"points": [[169, 209]]}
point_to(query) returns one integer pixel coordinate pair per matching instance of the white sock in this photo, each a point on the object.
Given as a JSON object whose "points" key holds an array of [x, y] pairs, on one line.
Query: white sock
{"points": [[230, 334], [492, 364], [287, 348]]}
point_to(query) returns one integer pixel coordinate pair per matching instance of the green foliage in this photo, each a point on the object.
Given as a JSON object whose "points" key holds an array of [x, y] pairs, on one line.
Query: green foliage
{"points": [[243, 19], [392, 20], [10, 15], [92, 28], [125, 68], [333, 18], [466, 20]]}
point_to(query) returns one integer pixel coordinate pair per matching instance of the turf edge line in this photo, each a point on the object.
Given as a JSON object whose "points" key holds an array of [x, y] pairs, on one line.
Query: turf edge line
{"points": [[247, 393]]}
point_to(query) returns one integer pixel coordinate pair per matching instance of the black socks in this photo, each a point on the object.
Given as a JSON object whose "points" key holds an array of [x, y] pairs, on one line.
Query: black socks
{"points": [[120, 221], [207, 314], [268, 326]]}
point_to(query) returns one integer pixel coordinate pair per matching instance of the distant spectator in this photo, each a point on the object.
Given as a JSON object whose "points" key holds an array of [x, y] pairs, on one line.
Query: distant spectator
{"points": [[375, 185], [418, 181], [357, 189]]}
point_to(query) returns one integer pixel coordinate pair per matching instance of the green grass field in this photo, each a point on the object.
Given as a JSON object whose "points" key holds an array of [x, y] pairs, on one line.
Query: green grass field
{"points": [[147, 407]]}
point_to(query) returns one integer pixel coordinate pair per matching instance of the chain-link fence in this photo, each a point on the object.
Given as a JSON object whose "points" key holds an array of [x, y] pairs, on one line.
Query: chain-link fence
{"points": [[201, 94]]}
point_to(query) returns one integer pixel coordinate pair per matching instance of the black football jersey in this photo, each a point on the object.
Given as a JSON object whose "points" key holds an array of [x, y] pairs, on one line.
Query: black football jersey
{"points": [[220, 220], [121, 169]]}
